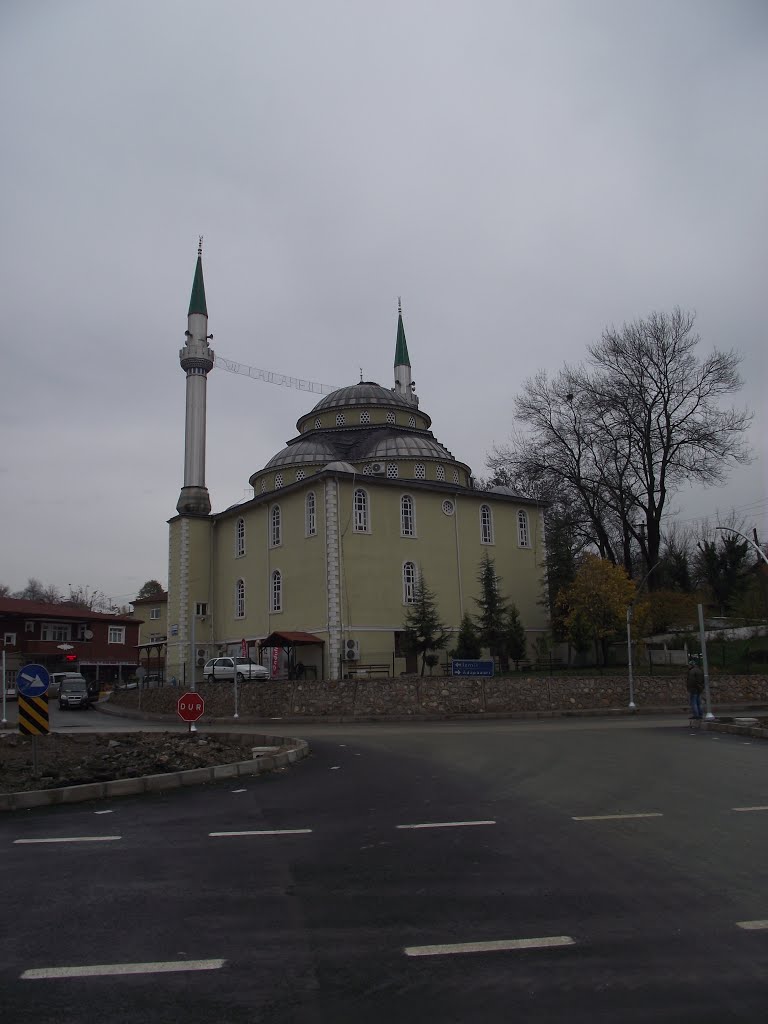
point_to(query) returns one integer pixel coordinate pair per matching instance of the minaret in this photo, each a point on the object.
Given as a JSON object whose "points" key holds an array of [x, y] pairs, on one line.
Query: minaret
{"points": [[404, 386], [196, 360]]}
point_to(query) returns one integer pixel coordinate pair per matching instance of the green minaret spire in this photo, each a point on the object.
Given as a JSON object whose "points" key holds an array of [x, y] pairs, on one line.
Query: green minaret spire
{"points": [[197, 299], [401, 348]]}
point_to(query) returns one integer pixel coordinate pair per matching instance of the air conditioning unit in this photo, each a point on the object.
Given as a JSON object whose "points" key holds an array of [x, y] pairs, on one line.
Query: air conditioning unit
{"points": [[200, 662], [201, 652], [351, 650], [378, 469]]}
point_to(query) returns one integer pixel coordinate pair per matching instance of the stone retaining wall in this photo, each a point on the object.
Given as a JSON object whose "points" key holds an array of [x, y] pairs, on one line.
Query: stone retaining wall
{"points": [[437, 696]]}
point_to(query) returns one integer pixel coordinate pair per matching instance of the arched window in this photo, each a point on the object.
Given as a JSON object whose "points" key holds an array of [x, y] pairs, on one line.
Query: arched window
{"points": [[276, 595], [275, 531], [522, 529], [240, 538], [360, 512], [409, 582], [440, 473], [240, 599], [311, 514], [486, 525], [407, 517]]}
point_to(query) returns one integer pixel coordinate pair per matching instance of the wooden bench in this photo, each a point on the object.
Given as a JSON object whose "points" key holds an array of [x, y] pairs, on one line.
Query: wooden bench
{"points": [[376, 669]]}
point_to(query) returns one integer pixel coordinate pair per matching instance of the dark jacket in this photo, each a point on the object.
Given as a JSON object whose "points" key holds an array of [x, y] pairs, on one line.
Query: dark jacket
{"points": [[695, 680]]}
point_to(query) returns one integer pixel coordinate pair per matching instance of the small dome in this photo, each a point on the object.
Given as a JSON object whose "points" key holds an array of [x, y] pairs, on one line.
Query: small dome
{"points": [[408, 446], [364, 393], [306, 450], [340, 467]]}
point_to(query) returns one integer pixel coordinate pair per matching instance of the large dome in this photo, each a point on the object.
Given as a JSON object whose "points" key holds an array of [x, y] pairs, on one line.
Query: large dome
{"points": [[365, 393]]}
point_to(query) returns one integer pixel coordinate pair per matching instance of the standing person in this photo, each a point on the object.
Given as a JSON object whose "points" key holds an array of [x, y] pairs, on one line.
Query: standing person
{"points": [[695, 684]]}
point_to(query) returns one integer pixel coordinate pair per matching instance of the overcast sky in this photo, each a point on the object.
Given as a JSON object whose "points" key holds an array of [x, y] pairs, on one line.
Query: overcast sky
{"points": [[523, 174]]}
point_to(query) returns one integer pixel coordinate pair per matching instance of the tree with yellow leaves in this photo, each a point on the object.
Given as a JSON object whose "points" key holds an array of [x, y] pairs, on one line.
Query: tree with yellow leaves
{"points": [[596, 603]]}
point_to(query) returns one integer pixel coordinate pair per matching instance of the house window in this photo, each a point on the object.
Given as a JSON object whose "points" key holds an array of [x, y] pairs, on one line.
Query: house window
{"points": [[277, 591], [360, 510], [522, 529], [409, 582], [55, 631], [154, 613], [407, 521], [391, 471], [419, 472], [365, 417], [116, 635], [275, 533], [240, 599], [9, 638], [390, 417], [340, 421], [486, 525], [311, 514], [240, 538], [440, 473], [201, 608], [278, 480], [29, 627]]}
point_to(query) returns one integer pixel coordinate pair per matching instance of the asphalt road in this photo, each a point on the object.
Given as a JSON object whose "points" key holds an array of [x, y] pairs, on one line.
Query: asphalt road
{"points": [[330, 910]]}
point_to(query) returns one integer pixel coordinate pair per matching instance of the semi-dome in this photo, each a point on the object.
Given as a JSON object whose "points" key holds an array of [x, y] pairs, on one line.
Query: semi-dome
{"points": [[408, 446], [306, 450], [365, 393]]}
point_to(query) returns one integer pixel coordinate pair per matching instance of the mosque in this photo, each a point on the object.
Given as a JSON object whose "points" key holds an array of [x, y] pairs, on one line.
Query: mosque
{"points": [[317, 569]]}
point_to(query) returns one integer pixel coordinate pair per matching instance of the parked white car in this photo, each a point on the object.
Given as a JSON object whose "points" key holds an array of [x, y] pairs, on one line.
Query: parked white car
{"points": [[227, 668]]}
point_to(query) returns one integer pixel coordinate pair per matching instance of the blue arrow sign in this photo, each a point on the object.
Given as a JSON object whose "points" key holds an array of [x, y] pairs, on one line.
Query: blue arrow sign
{"points": [[32, 680]]}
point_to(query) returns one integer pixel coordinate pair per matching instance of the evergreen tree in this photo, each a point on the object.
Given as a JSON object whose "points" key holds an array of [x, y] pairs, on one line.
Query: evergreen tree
{"points": [[491, 622], [467, 642], [515, 636], [423, 629], [152, 588]]}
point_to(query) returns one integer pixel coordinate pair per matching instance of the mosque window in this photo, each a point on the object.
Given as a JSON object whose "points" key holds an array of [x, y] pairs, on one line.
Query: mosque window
{"points": [[365, 417], [278, 480], [368, 469], [486, 525], [276, 595], [392, 471], [318, 423], [390, 417], [240, 599], [522, 529], [275, 530], [418, 471], [448, 508], [240, 538], [407, 517], [360, 512], [263, 485], [440, 473], [340, 421], [409, 582], [299, 475], [411, 421], [455, 476], [311, 514]]}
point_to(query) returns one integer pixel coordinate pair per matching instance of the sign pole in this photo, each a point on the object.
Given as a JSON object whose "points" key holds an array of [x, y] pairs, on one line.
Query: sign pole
{"points": [[5, 720], [705, 664]]}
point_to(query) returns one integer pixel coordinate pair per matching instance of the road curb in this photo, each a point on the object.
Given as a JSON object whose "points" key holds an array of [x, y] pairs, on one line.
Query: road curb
{"points": [[169, 780]]}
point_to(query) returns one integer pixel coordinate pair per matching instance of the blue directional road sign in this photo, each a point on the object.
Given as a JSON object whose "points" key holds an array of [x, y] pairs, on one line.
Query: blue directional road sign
{"points": [[32, 681]]}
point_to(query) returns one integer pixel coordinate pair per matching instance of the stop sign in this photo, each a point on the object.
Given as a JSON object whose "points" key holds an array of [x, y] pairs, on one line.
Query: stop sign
{"points": [[190, 707]]}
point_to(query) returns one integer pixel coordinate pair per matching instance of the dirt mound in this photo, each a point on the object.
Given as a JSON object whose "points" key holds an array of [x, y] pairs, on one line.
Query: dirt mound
{"points": [[64, 760]]}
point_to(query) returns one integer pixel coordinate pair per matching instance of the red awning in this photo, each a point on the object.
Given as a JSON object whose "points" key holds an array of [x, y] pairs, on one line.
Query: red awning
{"points": [[295, 639]]}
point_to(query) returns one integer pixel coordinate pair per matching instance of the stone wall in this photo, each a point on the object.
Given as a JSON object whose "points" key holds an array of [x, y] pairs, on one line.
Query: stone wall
{"points": [[406, 696]]}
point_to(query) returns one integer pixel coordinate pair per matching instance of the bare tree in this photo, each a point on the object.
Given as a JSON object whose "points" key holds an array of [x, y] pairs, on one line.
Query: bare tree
{"points": [[615, 439]]}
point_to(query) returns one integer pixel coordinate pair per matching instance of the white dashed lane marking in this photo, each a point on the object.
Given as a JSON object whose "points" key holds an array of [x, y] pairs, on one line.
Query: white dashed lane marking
{"points": [[69, 839], [452, 948], [745, 810], [447, 824], [615, 817], [101, 970], [263, 832], [753, 926]]}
